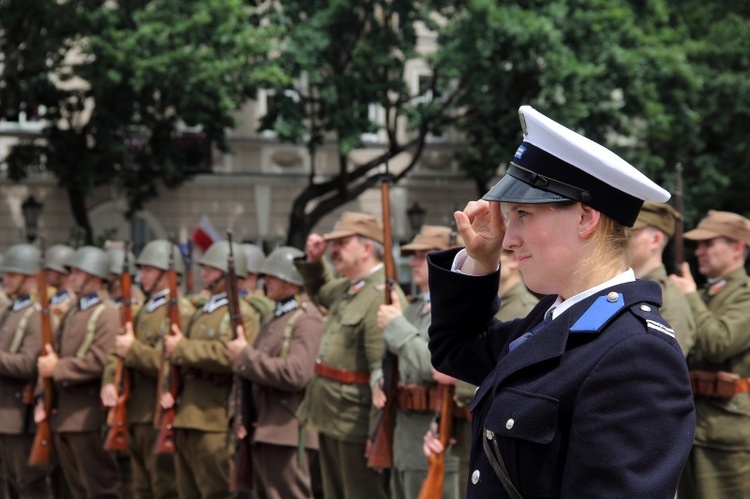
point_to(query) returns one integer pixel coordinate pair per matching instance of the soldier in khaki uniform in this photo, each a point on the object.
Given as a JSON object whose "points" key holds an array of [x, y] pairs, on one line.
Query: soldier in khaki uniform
{"points": [[20, 344], [719, 463], [203, 457], [339, 398], [141, 349], [651, 232], [85, 336], [280, 365], [418, 396], [116, 252], [57, 273], [516, 301], [250, 288]]}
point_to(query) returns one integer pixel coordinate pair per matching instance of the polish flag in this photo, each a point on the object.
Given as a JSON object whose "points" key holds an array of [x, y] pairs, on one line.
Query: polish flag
{"points": [[204, 234]]}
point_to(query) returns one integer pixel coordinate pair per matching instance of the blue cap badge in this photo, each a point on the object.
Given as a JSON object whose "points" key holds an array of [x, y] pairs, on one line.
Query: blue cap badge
{"points": [[520, 152]]}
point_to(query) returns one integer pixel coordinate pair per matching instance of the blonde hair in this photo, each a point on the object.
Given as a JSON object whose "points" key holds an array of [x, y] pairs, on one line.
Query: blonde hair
{"points": [[611, 246]]}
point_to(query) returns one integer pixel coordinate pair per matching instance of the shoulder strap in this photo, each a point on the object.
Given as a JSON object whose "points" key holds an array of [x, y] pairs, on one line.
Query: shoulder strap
{"points": [[15, 345], [496, 460], [288, 330], [90, 331]]}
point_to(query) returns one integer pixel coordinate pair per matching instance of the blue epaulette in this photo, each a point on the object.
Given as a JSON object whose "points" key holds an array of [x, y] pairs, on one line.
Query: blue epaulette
{"points": [[599, 313]]}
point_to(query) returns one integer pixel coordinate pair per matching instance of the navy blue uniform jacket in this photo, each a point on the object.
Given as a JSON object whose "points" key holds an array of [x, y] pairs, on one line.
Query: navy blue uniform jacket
{"points": [[597, 404]]}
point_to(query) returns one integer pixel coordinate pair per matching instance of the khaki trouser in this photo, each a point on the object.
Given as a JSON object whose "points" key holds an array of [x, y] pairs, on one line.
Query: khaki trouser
{"points": [[89, 470], [345, 474], [277, 474], [203, 464], [22, 479], [715, 474], [153, 474]]}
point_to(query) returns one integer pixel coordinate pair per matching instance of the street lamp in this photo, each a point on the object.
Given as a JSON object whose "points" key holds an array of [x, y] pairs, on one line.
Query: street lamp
{"points": [[31, 209], [416, 217]]}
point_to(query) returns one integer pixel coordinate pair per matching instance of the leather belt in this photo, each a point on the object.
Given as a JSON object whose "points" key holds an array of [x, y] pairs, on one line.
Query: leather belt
{"points": [[215, 378], [341, 375]]}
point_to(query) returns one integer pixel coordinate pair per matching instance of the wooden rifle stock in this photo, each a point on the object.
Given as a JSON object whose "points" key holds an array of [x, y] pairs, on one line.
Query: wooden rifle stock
{"points": [[379, 449], [41, 450], [678, 240], [432, 487], [164, 418], [117, 417], [241, 478]]}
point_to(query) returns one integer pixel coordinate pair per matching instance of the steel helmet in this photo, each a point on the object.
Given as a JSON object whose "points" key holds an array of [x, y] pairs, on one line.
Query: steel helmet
{"points": [[117, 260], [216, 256], [255, 257], [280, 263], [92, 260], [156, 254], [21, 258], [56, 257]]}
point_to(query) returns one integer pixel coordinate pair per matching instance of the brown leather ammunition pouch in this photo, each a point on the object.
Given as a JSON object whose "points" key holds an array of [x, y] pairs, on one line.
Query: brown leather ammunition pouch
{"points": [[717, 384], [413, 398]]}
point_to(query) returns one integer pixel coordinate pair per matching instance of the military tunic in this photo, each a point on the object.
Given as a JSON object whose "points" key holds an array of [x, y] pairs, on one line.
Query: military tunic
{"points": [[574, 409], [153, 474], [280, 365], [85, 338], [203, 457], [516, 303], [341, 411], [722, 316], [20, 345], [676, 309], [406, 337]]}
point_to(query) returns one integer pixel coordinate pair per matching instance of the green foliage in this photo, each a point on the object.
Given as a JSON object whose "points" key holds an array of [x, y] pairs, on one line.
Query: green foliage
{"points": [[141, 71]]}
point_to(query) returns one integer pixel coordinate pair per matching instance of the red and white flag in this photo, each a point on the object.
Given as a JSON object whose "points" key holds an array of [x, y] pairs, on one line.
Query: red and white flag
{"points": [[204, 234]]}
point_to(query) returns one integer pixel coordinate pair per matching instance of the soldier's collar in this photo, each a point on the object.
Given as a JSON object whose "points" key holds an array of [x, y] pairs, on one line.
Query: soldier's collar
{"points": [[21, 302], [215, 302], [286, 305], [87, 301], [157, 300]]}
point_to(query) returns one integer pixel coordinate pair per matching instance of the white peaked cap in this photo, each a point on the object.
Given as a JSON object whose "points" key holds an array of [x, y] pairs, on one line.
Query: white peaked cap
{"points": [[556, 164]]}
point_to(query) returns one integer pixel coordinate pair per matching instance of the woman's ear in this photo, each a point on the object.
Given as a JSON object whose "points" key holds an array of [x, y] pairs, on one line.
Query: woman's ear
{"points": [[589, 219]]}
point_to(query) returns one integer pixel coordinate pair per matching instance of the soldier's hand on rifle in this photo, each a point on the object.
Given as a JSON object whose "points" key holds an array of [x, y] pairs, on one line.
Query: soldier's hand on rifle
{"points": [[166, 400], [171, 340], [237, 345], [378, 395], [315, 247], [45, 364], [482, 226], [431, 443], [386, 313], [108, 395], [240, 432], [125, 340], [685, 282], [39, 413]]}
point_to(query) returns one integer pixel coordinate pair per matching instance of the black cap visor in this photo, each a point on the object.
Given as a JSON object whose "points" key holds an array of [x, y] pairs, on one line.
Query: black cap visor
{"points": [[513, 190]]}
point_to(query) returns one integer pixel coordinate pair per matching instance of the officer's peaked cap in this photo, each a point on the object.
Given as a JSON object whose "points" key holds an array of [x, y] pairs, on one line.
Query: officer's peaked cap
{"points": [[555, 164]]}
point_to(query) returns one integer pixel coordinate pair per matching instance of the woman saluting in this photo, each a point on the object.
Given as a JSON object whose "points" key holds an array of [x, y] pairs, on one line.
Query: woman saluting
{"points": [[588, 396]]}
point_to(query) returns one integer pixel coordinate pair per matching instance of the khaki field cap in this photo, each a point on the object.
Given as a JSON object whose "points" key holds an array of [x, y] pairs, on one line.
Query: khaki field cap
{"points": [[660, 216], [721, 224], [431, 237], [360, 224]]}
